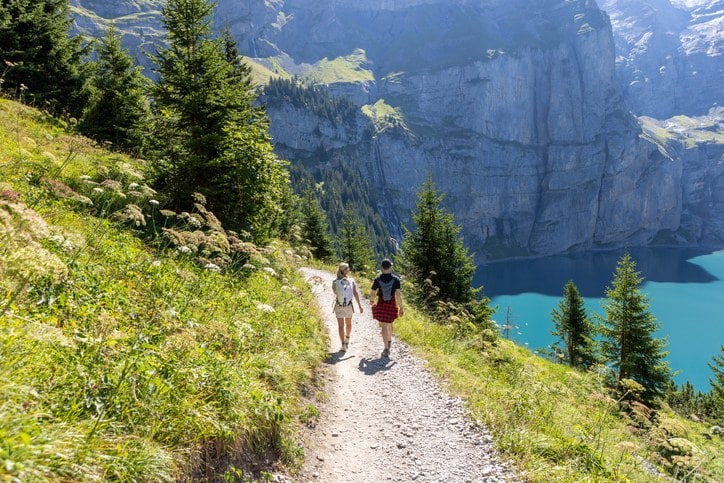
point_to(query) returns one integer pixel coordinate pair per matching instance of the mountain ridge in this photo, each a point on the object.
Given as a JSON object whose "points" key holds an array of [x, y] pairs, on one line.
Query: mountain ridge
{"points": [[515, 108]]}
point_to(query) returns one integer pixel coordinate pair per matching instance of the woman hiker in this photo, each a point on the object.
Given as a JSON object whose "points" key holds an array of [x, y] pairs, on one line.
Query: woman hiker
{"points": [[389, 303], [345, 291]]}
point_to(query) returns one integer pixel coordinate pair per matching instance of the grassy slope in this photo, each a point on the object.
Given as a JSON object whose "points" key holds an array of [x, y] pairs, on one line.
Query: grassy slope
{"points": [[122, 361], [559, 424], [349, 68]]}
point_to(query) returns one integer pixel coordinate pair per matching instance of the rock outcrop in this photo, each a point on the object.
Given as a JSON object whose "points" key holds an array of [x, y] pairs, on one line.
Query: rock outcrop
{"points": [[670, 54]]}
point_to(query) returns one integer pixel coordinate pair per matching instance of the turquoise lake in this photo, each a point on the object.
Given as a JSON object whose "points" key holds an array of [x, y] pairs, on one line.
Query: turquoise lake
{"points": [[685, 288]]}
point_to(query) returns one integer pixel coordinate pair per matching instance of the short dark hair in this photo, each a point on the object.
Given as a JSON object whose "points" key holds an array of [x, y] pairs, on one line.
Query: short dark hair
{"points": [[386, 263]]}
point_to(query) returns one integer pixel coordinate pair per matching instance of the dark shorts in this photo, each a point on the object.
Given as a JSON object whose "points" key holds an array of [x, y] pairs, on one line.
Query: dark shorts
{"points": [[385, 311]]}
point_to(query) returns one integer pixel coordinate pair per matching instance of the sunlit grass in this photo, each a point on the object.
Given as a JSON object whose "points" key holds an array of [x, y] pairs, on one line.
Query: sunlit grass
{"points": [[552, 422], [349, 68], [121, 356]]}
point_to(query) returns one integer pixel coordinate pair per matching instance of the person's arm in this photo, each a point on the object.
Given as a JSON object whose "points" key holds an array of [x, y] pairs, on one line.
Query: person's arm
{"points": [[356, 296], [398, 299], [373, 290], [334, 296]]}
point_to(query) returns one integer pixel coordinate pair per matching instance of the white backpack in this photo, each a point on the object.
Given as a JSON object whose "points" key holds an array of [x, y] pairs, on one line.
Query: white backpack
{"points": [[344, 291]]}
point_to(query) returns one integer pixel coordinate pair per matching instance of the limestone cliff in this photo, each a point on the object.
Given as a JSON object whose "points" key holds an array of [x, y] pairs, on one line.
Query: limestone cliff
{"points": [[670, 54], [513, 107]]}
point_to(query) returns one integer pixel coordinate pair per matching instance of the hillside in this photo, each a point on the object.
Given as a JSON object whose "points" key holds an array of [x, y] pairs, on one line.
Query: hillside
{"points": [[137, 345]]}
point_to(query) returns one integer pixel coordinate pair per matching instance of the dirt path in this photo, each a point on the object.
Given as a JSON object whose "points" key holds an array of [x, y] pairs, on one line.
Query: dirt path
{"points": [[388, 419]]}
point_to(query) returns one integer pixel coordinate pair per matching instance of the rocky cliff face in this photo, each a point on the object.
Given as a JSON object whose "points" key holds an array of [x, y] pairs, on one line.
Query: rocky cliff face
{"points": [[670, 54], [513, 108]]}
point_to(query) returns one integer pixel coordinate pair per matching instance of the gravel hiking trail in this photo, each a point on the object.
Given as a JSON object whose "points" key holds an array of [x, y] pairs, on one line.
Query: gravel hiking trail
{"points": [[387, 419]]}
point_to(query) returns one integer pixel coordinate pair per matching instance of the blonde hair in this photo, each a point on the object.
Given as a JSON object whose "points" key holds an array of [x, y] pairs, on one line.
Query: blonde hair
{"points": [[340, 270]]}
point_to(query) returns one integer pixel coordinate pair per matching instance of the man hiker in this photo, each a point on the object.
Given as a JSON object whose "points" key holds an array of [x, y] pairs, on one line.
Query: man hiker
{"points": [[388, 305]]}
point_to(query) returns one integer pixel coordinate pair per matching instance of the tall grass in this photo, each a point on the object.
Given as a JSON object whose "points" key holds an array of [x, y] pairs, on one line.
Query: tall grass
{"points": [[559, 424], [122, 355]]}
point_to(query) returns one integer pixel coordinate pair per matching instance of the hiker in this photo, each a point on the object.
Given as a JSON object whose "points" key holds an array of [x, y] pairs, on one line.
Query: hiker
{"points": [[388, 306], [345, 291]]}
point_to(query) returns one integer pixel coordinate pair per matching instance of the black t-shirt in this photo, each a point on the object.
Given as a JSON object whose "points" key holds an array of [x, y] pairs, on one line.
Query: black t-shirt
{"points": [[386, 277]]}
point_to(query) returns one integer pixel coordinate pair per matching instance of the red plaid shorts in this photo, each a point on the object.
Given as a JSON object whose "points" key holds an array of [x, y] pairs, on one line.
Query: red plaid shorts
{"points": [[384, 311]]}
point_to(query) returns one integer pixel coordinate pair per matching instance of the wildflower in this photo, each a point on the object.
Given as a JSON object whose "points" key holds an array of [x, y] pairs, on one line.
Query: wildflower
{"points": [[62, 242], [148, 190], [212, 267], [85, 177], [10, 195], [248, 266], [98, 190], [270, 271], [156, 263], [194, 222], [60, 189], [265, 308], [172, 313], [130, 213], [111, 184], [128, 170], [133, 186], [199, 198], [9, 64], [154, 202], [32, 262]]}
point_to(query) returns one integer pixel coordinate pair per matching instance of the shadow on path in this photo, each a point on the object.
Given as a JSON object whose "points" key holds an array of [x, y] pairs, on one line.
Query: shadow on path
{"points": [[372, 366], [339, 356]]}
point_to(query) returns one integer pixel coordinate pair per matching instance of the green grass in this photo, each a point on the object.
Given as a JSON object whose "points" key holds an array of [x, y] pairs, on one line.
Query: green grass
{"points": [[688, 131], [128, 359], [555, 423], [348, 68]]}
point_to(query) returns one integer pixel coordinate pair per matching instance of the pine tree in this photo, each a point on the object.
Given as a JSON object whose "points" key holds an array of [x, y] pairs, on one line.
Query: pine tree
{"points": [[628, 333], [571, 324], [315, 230], [47, 62], [118, 108], [210, 138], [354, 245], [717, 384], [433, 257]]}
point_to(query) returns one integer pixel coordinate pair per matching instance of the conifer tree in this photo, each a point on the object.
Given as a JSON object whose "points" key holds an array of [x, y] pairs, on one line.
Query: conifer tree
{"points": [[210, 138], [571, 324], [354, 245], [628, 333], [315, 230], [47, 62], [118, 107], [433, 257], [717, 384]]}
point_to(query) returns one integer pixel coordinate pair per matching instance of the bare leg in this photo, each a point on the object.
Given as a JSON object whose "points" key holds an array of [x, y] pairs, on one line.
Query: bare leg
{"points": [[340, 327], [348, 326], [386, 330]]}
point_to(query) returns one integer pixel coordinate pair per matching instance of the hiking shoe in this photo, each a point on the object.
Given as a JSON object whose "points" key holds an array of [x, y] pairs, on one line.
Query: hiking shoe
{"points": [[343, 348], [386, 353]]}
